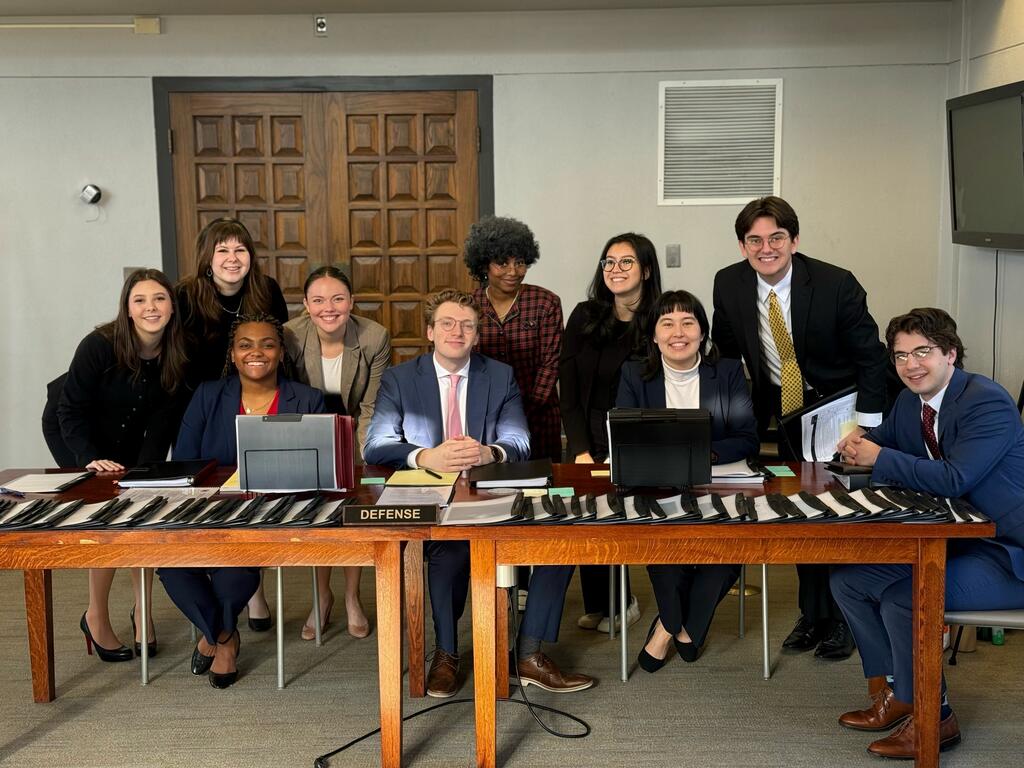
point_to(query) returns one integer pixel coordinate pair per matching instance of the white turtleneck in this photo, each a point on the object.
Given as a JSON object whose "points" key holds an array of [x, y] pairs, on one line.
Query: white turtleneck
{"points": [[682, 388]]}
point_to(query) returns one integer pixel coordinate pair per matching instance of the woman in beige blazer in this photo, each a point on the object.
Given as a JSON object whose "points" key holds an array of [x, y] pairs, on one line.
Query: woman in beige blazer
{"points": [[343, 356]]}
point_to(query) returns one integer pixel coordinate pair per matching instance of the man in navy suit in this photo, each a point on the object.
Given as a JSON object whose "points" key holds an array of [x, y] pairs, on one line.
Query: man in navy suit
{"points": [[447, 412], [953, 434]]}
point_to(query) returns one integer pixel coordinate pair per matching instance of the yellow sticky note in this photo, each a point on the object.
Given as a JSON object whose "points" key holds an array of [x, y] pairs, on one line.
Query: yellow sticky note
{"points": [[600, 473], [422, 477], [535, 492]]}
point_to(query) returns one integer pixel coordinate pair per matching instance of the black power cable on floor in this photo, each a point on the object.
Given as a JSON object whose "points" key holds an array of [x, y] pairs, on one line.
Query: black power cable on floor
{"points": [[323, 761]]}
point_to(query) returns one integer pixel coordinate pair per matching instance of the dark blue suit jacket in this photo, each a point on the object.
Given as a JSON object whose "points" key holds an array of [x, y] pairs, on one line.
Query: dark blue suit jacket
{"points": [[982, 442], [407, 414], [723, 393], [208, 429]]}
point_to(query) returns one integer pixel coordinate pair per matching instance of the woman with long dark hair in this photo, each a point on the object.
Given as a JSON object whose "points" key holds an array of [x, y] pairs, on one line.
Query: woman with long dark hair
{"points": [[603, 332], [344, 356], [120, 406], [227, 283], [683, 370]]}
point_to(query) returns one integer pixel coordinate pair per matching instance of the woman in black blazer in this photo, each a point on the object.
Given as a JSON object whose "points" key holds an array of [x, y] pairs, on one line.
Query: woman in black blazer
{"points": [[120, 405], [600, 335], [227, 282], [683, 371], [212, 598]]}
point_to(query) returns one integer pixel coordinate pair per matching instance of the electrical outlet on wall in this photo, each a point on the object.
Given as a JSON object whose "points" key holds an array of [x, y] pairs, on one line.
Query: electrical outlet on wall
{"points": [[672, 255], [320, 26]]}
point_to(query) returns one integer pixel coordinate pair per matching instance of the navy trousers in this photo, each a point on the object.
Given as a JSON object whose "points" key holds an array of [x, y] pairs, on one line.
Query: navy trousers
{"points": [[448, 584], [878, 602], [687, 595], [211, 598]]}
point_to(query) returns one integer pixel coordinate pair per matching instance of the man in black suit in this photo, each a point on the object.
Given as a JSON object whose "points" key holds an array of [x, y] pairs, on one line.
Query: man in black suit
{"points": [[803, 329]]}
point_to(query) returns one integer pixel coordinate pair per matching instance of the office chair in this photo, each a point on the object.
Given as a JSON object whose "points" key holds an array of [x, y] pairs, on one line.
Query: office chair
{"points": [[1010, 619]]}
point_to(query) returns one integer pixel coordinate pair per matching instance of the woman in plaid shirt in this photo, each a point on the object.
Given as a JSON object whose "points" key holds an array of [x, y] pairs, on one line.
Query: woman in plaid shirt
{"points": [[520, 325]]}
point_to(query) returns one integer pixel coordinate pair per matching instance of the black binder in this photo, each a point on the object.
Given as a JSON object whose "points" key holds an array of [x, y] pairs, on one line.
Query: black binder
{"points": [[659, 447], [167, 473]]}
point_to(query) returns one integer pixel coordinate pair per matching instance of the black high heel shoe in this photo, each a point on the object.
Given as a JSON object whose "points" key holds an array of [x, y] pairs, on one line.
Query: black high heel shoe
{"points": [[121, 653], [227, 679], [151, 645], [688, 652], [260, 625], [647, 662]]}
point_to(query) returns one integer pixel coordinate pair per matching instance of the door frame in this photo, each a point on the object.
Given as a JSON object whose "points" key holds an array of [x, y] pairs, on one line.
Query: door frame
{"points": [[163, 87]]}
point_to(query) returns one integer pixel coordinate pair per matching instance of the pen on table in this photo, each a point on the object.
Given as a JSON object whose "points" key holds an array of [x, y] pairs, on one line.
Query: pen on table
{"points": [[432, 473], [12, 492]]}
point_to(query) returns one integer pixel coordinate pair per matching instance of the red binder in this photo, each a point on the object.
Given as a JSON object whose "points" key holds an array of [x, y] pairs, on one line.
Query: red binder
{"points": [[344, 452]]}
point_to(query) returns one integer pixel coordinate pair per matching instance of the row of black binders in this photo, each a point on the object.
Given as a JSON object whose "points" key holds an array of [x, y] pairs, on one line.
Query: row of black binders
{"points": [[865, 505], [171, 512]]}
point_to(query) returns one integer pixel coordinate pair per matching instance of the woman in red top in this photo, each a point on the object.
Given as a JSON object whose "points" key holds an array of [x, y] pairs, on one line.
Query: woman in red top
{"points": [[520, 324]]}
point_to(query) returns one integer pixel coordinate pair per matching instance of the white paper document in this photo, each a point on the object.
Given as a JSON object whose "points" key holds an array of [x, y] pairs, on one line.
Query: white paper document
{"points": [[821, 428], [735, 472], [50, 482]]}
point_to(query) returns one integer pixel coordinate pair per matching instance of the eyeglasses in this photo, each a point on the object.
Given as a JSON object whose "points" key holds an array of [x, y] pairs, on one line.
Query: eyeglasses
{"points": [[448, 324], [625, 264], [901, 358], [518, 265], [755, 243]]}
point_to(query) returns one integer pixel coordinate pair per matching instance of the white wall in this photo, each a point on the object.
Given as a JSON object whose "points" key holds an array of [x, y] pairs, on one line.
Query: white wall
{"points": [[995, 48], [575, 114]]}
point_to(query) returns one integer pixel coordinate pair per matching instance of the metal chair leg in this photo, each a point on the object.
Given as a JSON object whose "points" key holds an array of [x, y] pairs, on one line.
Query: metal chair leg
{"points": [[316, 610], [623, 609], [611, 602], [193, 633], [144, 618], [764, 622], [956, 646], [743, 601], [280, 627]]}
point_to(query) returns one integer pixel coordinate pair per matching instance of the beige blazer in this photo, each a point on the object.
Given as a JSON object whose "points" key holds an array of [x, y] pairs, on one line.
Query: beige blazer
{"points": [[367, 355]]}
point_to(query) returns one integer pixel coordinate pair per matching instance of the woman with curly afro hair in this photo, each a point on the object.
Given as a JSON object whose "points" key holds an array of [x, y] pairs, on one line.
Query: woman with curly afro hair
{"points": [[520, 324]]}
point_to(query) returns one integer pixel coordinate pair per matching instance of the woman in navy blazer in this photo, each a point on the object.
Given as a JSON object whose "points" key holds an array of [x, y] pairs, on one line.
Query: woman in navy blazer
{"points": [[212, 598], [683, 371]]}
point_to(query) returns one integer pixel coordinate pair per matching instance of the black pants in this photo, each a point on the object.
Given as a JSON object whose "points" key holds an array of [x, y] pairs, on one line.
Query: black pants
{"points": [[688, 595], [594, 585], [211, 598], [815, 596]]}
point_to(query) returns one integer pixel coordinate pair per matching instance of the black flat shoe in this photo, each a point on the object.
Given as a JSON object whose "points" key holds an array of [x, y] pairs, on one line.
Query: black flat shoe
{"points": [[151, 645], [647, 662], [688, 652], [227, 679], [200, 662], [121, 653], [805, 635]]}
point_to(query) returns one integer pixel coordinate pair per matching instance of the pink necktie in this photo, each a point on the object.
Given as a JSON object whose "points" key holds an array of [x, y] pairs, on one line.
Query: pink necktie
{"points": [[454, 420]]}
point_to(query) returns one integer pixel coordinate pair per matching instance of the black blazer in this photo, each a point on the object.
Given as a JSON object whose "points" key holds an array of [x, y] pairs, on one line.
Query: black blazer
{"points": [[835, 337], [723, 393]]}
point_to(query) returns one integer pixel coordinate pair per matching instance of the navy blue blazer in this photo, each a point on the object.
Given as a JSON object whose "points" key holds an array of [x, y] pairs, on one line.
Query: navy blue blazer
{"points": [[208, 429], [407, 414], [982, 443], [723, 393]]}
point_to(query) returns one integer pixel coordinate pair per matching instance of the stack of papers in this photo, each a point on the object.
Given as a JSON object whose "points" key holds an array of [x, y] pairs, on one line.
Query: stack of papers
{"points": [[50, 482], [735, 472], [420, 477]]}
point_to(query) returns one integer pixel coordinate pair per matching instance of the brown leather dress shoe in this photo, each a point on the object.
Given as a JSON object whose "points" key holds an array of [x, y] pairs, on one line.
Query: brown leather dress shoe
{"points": [[443, 678], [541, 671], [899, 745], [884, 713]]}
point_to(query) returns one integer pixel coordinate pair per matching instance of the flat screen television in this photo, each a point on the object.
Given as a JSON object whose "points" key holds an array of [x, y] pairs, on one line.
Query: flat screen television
{"points": [[986, 167]]}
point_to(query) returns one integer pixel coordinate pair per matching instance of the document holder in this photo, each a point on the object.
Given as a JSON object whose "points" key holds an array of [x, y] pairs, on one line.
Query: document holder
{"points": [[291, 452], [659, 447]]}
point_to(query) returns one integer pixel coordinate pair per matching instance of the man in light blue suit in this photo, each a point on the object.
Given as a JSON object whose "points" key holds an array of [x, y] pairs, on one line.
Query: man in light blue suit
{"points": [[953, 434], [450, 411]]}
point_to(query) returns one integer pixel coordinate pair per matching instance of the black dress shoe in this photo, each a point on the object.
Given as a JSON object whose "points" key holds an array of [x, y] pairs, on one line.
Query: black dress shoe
{"points": [[121, 653], [200, 662], [688, 652], [647, 662], [805, 635], [838, 645], [227, 679], [261, 625], [151, 645]]}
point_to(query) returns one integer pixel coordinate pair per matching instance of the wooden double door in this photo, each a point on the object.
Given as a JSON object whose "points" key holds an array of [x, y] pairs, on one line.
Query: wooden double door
{"points": [[383, 185]]}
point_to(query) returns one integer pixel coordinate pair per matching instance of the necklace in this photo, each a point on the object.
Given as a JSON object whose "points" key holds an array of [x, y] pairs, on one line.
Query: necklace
{"points": [[258, 408], [230, 311], [494, 305]]}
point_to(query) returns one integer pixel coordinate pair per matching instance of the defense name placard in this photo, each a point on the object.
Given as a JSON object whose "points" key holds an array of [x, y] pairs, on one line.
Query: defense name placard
{"points": [[370, 514]]}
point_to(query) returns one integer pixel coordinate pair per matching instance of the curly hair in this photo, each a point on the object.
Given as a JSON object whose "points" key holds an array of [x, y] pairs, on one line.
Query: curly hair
{"points": [[936, 325], [258, 317], [495, 240]]}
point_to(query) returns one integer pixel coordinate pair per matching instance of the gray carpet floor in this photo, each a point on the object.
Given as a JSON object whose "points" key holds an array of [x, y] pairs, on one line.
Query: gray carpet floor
{"points": [[717, 712]]}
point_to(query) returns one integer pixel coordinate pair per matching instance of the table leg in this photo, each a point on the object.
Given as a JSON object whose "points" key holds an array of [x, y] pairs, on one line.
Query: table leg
{"points": [[501, 642], [39, 618], [414, 618], [483, 582], [388, 562], [929, 600]]}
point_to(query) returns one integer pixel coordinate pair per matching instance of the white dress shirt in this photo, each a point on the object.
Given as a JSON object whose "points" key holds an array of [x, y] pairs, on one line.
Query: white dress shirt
{"points": [[936, 404], [443, 386]]}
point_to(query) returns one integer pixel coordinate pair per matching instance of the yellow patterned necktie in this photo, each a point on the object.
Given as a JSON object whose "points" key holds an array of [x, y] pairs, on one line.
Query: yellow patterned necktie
{"points": [[792, 379]]}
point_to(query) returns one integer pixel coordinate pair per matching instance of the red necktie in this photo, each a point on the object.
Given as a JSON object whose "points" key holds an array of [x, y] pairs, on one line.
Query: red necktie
{"points": [[454, 419], [928, 430]]}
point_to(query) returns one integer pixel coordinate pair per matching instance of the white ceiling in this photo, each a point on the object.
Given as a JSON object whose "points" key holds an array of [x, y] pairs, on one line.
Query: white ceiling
{"points": [[35, 8]]}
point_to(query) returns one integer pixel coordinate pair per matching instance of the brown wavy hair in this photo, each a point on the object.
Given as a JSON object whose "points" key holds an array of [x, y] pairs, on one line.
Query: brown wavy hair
{"points": [[936, 325], [200, 288], [121, 333]]}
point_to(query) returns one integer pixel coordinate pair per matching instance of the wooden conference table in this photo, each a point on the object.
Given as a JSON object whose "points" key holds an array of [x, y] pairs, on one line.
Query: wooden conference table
{"points": [[922, 546]]}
